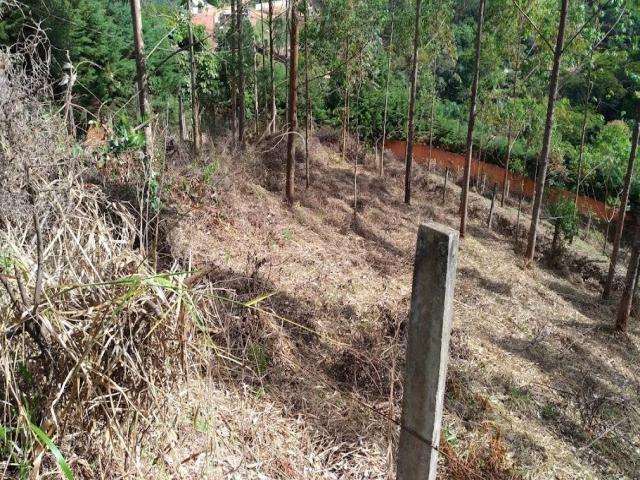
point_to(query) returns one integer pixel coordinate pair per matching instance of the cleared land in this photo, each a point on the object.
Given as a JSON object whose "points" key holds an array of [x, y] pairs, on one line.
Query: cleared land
{"points": [[538, 387]]}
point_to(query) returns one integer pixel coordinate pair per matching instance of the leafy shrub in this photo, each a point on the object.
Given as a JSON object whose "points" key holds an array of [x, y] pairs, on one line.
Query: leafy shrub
{"points": [[562, 211]]}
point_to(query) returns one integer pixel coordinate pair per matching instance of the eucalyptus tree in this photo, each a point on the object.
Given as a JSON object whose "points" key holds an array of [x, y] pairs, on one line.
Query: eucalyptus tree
{"points": [[272, 82], [411, 129], [631, 280], [240, 70], [471, 123], [144, 106], [195, 103], [624, 200], [292, 119], [543, 161]]}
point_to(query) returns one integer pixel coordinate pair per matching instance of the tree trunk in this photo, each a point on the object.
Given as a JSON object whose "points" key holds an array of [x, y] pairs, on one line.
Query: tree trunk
{"points": [[556, 240], [240, 47], [433, 111], [411, 129], [444, 188], [345, 113], [307, 97], [548, 130], [493, 203], [505, 180], [583, 134], [355, 178], [287, 7], [256, 100], [293, 102], [386, 103], [234, 78], [622, 212], [624, 308], [472, 120], [274, 111], [264, 51], [510, 140], [69, 117], [183, 124], [518, 218], [195, 102], [144, 107]]}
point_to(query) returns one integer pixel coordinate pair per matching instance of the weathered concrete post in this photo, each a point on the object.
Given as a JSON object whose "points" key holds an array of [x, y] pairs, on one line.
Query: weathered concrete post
{"points": [[427, 351]]}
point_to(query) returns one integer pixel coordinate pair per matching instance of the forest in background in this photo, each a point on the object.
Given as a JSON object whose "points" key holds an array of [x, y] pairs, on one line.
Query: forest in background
{"points": [[361, 51]]}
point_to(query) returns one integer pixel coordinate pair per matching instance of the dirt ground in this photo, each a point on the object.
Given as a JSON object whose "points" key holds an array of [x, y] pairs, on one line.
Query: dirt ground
{"points": [[539, 386]]}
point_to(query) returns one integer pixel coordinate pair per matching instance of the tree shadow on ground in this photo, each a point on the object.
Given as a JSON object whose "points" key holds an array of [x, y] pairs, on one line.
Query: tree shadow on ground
{"points": [[500, 288], [595, 397], [329, 378]]}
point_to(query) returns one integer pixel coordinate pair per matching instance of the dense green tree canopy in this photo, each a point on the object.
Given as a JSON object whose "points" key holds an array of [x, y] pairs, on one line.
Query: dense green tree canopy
{"points": [[350, 42]]}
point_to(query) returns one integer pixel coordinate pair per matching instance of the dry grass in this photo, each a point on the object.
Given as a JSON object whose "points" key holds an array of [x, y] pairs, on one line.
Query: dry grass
{"points": [[282, 356], [92, 338], [522, 339]]}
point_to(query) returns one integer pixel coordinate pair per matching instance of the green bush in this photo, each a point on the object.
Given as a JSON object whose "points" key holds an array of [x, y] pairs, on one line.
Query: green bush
{"points": [[562, 212]]}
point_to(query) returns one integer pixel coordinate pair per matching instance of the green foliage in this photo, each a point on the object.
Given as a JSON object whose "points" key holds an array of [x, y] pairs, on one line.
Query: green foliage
{"points": [[209, 172], [550, 411], [562, 212], [349, 49], [125, 139], [257, 353], [62, 463]]}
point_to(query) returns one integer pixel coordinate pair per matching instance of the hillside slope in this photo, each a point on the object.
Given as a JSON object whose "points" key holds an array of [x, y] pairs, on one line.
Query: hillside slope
{"points": [[538, 385]]}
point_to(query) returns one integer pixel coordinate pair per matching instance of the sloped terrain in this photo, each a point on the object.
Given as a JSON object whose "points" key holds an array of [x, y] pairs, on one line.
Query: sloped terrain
{"points": [[538, 387]]}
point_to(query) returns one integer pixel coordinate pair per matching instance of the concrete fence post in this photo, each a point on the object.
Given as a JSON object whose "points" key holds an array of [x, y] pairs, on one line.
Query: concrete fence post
{"points": [[427, 351]]}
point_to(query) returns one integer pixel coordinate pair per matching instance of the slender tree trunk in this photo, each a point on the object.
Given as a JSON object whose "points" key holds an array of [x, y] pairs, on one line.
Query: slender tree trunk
{"points": [[195, 103], [472, 120], [518, 218], [622, 212], [345, 113], [256, 100], [624, 308], [287, 47], [69, 117], [234, 69], [293, 102], [583, 135], [183, 124], [263, 55], [510, 140], [307, 97], [274, 110], [493, 203], [444, 188], [606, 237], [355, 177], [241, 79], [433, 112], [507, 162], [144, 106], [548, 130], [386, 103], [411, 128]]}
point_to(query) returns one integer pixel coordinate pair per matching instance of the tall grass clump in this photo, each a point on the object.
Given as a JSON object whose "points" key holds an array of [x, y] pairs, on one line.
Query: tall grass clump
{"points": [[90, 333]]}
